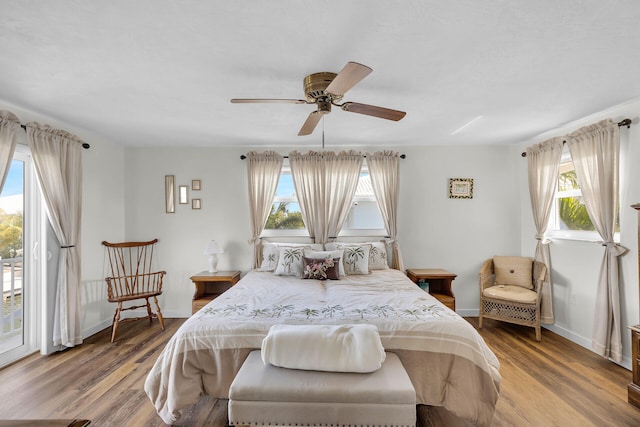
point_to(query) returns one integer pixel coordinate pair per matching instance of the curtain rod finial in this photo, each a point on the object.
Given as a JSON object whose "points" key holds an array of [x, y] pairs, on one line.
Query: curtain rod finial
{"points": [[524, 154], [625, 122]]}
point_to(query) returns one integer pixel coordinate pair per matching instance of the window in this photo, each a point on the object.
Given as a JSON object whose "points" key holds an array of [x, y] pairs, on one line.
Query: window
{"points": [[285, 219], [570, 219]]}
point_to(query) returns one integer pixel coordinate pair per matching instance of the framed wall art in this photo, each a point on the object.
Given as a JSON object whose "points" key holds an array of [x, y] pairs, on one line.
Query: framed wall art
{"points": [[169, 194], [461, 188], [183, 197]]}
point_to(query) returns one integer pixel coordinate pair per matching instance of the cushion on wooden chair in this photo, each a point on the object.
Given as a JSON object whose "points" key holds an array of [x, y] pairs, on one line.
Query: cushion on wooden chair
{"points": [[511, 293]]}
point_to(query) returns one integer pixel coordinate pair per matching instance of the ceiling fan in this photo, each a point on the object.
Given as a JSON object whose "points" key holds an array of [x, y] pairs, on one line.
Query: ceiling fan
{"points": [[326, 89]]}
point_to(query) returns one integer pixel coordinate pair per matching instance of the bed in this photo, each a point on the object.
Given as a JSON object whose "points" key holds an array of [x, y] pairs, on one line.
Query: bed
{"points": [[448, 362]]}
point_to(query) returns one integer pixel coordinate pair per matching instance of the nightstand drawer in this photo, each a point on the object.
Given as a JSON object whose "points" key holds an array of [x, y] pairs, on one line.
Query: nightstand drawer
{"points": [[635, 355], [196, 305], [446, 300]]}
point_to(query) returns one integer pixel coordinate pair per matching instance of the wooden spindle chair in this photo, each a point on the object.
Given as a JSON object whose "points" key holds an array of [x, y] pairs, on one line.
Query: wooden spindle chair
{"points": [[132, 277]]}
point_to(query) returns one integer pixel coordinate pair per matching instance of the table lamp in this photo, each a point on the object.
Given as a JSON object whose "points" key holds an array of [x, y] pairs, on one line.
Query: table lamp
{"points": [[213, 249]]}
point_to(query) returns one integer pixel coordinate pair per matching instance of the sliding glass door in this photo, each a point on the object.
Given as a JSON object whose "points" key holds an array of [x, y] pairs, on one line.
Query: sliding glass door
{"points": [[18, 318]]}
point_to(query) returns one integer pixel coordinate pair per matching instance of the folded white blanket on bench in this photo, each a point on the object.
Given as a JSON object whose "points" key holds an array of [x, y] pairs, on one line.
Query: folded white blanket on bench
{"points": [[334, 348]]}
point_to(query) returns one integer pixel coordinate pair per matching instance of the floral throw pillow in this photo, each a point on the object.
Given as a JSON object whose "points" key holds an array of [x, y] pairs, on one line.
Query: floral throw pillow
{"points": [[321, 269], [290, 261], [338, 253]]}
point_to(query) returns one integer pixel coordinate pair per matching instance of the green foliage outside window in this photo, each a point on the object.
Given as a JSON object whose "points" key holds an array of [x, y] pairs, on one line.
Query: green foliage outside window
{"points": [[574, 215], [281, 219], [10, 235], [572, 212]]}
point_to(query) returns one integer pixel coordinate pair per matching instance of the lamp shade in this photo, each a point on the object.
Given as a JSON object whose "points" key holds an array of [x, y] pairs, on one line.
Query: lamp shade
{"points": [[212, 248]]}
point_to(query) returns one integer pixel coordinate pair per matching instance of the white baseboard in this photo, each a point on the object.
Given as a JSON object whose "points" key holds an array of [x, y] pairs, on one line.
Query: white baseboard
{"points": [[583, 342], [469, 312], [94, 329]]}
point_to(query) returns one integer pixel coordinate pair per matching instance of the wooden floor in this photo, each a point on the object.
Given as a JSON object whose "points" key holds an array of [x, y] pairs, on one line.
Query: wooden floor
{"points": [[551, 383]]}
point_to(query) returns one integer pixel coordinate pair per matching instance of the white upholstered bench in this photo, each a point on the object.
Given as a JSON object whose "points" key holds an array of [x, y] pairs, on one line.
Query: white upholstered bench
{"points": [[267, 395]]}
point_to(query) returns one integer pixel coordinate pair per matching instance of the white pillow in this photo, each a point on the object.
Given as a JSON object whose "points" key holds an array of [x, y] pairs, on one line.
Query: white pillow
{"points": [[338, 253], [269, 257], [271, 250], [377, 254], [356, 257], [290, 261]]}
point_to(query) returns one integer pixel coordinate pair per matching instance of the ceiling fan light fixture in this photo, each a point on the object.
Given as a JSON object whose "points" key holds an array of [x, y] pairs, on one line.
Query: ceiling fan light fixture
{"points": [[315, 84], [324, 105]]}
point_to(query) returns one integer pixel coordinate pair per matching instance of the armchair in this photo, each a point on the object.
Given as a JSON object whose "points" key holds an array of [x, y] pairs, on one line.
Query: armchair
{"points": [[511, 289]]}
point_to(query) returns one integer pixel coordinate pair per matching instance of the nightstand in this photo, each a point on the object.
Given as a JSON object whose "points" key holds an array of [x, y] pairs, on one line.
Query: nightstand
{"points": [[211, 285], [439, 283]]}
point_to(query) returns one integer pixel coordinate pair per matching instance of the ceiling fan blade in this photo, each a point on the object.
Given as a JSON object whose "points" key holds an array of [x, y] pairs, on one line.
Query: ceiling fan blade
{"points": [[267, 101], [310, 124], [372, 110], [350, 75]]}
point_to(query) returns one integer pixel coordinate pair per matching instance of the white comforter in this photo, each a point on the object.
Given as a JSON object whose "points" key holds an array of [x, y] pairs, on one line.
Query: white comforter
{"points": [[448, 362]]}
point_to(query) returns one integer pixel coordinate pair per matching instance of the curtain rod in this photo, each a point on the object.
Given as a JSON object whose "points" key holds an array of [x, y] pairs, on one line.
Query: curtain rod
{"points": [[242, 156], [625, 122], [84, 144]]}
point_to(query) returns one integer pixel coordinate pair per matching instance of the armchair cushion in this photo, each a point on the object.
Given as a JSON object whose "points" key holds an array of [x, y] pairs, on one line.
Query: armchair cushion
{"points": [[511, 293], [513, 270]]}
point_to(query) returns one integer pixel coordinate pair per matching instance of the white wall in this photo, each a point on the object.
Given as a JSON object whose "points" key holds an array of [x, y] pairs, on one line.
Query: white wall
{"points": [[182, 235], [102, 214], [459, 234], [576, 264], [434, 231]]}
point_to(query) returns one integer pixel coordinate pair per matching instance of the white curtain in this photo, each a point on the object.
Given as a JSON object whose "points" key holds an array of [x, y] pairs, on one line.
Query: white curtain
{"points": [[9, 126], [57, 156], [595, 151], [263, 173], [325, 184], [384, 170], [307, 171], [543, 161], [342, 173]]}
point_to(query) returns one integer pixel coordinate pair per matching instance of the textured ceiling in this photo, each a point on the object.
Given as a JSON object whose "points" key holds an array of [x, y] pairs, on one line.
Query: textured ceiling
{"points": [[161, 73]]}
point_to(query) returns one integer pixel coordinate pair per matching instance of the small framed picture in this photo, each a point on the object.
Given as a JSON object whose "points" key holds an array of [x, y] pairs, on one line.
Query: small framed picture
{"points": [[461, 188], [169, 193], [195, 184], [196, 204], [183, 198]]}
